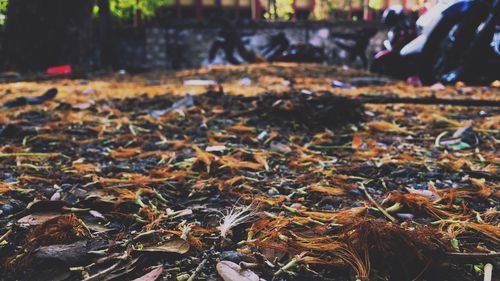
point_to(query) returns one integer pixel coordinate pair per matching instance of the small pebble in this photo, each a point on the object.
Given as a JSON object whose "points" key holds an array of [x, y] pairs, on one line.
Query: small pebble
{"points": [[404, 216], [56, 196], [233, 256], [7, 209]]}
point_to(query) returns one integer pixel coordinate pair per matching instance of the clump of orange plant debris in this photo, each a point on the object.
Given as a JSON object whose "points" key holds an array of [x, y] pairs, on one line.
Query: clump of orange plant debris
{"points": [[64, 229]]}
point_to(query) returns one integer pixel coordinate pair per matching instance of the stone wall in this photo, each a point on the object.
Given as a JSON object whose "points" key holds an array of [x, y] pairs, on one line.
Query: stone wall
{"points": [[181, 47], [187, 46]]}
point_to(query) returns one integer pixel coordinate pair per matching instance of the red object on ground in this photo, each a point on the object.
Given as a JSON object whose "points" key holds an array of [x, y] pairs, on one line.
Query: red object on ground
{"points": [[59, 70]]}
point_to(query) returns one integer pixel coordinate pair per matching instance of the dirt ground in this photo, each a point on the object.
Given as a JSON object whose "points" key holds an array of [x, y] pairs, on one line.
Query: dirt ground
{"points": [[270, 174]]}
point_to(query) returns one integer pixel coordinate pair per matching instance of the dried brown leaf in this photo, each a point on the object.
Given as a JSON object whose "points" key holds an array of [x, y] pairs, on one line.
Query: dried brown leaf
{"points": [[37, 218], [151, 276], [179, 246]]}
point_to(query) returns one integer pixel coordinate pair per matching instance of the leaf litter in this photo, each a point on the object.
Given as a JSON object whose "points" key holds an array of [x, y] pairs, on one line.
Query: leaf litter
{"points": [[283, 185]]}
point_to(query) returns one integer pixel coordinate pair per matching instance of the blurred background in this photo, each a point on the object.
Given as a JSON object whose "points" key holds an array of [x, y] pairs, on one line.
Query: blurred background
{"points": [[140, 35]]}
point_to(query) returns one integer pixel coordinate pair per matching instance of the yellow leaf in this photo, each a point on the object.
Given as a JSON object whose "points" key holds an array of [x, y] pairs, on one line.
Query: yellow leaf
{"points": [[383, 126]]}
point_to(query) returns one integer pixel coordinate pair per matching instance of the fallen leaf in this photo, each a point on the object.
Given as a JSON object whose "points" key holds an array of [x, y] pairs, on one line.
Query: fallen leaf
{"points": [[56, 196], [383, 126], [261, 159], [279, 147], [70, 254], [85, 167], [241, 129], [484, 190], [425, 193], [460, 131], [437, 87], [4, 187], [357, 141], [229, 271], [151, 276], [97, 214], [187, 101], [203, 156], [234, 163], [179, 246], [333, 191], [83, 105], [37, 218], [217, 148]]}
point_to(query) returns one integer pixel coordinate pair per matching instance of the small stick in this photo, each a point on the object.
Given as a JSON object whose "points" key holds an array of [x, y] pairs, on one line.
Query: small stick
{"points": [[474, 255], [293, 262], [99, 275], [32, 154], [488, 272], [431, 100], [382, 210], [197, 270], [381, 99], [5, 235]]}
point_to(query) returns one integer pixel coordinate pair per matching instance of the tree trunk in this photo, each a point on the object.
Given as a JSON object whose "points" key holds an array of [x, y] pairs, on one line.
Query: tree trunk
{"points": [[40, 34], [105, 34]]}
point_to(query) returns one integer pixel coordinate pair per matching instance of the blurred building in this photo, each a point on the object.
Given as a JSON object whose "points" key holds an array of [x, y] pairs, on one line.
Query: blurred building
{"points": [[303, 9], [235, 9]]}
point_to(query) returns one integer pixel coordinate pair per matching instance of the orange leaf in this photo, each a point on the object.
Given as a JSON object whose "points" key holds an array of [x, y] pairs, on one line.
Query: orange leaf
{"points": [[333, 191], [241, 129], [261, 159], [484, 190], [356, 141], [4, 187], [85, 167], [125, 152], [236, 164], [203, 156]]}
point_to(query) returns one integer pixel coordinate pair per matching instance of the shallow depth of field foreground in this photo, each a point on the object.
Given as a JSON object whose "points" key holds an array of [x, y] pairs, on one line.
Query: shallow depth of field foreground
{"points": [[268, 174]]}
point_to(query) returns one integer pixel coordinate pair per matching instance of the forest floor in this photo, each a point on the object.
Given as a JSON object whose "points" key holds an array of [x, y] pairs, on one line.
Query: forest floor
{"points": [[267, 174]]}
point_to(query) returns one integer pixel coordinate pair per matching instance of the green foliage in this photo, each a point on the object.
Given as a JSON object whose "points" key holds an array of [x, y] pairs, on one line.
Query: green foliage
{"points": [[376, 4], [3, 11], [284, 10], [124, 9], [120, 9], [324, 8]]}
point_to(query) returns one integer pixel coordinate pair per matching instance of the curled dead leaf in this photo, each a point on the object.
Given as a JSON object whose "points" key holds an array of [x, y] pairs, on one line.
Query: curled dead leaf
{"points": [[229, 271]]}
